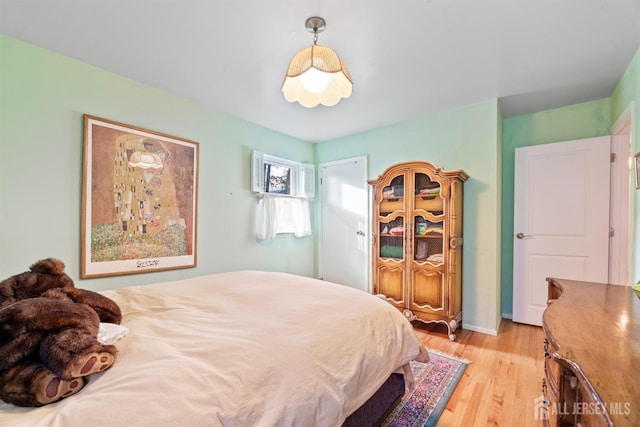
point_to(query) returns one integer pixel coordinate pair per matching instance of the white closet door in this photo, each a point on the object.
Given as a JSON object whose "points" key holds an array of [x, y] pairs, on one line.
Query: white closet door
{"points": [[344, 223]]}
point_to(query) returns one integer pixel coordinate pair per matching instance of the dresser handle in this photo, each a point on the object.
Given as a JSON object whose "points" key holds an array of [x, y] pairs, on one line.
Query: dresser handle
{"points": [[545, 400], [573, 382], [547, 354]]}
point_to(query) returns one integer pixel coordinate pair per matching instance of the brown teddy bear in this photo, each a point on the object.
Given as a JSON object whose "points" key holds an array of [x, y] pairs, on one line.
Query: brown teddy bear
{"points": [[48, 335]]}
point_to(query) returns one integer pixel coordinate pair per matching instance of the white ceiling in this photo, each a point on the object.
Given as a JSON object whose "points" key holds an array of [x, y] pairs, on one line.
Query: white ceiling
{"points": [[407, 59]]}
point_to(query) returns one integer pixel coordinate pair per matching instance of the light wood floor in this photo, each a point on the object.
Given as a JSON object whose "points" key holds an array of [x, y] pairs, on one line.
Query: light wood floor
{"points": [[501, 384]]}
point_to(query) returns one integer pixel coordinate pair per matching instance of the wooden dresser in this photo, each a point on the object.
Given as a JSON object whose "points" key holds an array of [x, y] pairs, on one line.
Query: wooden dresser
{"points": [[592, 355]]}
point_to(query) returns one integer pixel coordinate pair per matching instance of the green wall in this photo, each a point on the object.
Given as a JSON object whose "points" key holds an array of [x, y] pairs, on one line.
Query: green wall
{"points": [[585, 120], [43, 97], [563, 124], [465, 138]]}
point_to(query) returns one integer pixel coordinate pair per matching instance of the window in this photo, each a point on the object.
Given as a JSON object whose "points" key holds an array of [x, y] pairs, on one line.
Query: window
{"points": [[278, 178], [275, 175], [284, 188]]}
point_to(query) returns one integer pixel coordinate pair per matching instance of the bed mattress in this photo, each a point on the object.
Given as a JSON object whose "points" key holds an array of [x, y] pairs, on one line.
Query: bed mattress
{"points": [[243, 348]]}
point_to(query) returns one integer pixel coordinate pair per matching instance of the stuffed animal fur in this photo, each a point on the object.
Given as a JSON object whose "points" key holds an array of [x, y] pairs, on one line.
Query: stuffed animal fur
{"points": [[48, 335]]}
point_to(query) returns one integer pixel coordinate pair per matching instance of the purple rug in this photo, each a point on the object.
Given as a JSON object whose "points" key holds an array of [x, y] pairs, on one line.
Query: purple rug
{"points": [[435, 382]]}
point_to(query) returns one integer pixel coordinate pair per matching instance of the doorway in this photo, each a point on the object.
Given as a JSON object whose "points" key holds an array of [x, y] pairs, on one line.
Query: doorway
{"points": [[344, 223], [621, 187], [561, 219]]}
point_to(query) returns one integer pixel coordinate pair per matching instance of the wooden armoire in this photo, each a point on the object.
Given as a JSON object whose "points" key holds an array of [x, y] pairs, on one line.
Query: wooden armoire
{"points": [[417, 229]]}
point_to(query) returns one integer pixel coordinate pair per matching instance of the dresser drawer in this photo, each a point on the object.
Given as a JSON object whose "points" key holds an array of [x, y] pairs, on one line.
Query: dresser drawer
{"points": [[545, 414], [552, 370], [552, 384], [590, 412]]}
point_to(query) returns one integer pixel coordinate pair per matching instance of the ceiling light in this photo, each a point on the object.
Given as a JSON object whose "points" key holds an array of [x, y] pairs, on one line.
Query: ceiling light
{"points": [[316, 75]]}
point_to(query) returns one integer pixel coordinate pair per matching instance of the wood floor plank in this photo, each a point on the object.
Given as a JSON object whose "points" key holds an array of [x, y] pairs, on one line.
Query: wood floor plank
{"points": [[500, 385]]}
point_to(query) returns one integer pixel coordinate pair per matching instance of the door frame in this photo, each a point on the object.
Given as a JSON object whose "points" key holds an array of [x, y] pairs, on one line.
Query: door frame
{"points": [[367, 214], [622, 186]]}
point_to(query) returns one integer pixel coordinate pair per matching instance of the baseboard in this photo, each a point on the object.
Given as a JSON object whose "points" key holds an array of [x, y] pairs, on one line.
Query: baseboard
{"points": [[480, 329], [507, 316]]}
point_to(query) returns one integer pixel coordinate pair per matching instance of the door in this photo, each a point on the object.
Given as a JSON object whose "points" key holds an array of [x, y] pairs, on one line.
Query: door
{"points": [[561, 219], [391, 222], [428, 257], [344, 223]]}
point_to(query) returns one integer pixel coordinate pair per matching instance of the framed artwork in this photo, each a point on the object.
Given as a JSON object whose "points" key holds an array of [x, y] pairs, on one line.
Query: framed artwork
{"points": [[139, 200], [636, 167]]}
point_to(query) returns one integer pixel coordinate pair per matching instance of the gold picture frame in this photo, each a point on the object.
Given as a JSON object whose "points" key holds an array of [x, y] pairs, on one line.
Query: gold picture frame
{"points": [[139, 200]]}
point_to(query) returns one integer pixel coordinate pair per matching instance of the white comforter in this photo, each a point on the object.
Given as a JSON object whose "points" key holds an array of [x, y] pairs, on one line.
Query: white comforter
{"points": [[238, 349]]}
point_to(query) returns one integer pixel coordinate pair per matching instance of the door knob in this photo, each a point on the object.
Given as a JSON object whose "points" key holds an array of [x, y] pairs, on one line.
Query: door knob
{"points": [[523, 236], [360, 233]]}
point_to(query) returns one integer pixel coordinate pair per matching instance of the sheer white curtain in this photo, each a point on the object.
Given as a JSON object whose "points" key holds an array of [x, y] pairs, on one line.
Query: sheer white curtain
{"points": [[283, 215]]}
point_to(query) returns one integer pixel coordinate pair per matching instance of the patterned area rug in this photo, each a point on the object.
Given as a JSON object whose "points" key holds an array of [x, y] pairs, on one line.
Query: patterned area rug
{"points": [[435, 382]]}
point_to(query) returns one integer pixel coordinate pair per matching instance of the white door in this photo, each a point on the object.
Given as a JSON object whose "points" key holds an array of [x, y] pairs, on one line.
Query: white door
{"points": [[561, 219], [344, 223]]}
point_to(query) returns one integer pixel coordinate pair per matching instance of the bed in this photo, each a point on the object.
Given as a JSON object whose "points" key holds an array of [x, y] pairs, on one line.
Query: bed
{"points": [[245, 348]]}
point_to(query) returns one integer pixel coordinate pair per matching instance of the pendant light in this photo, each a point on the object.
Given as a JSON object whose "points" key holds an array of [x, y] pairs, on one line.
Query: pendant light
{"points": [[316, 75]]}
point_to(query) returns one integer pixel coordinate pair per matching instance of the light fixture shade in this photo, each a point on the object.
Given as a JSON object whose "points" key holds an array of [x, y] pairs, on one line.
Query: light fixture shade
{"points": [[324, 60]]}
